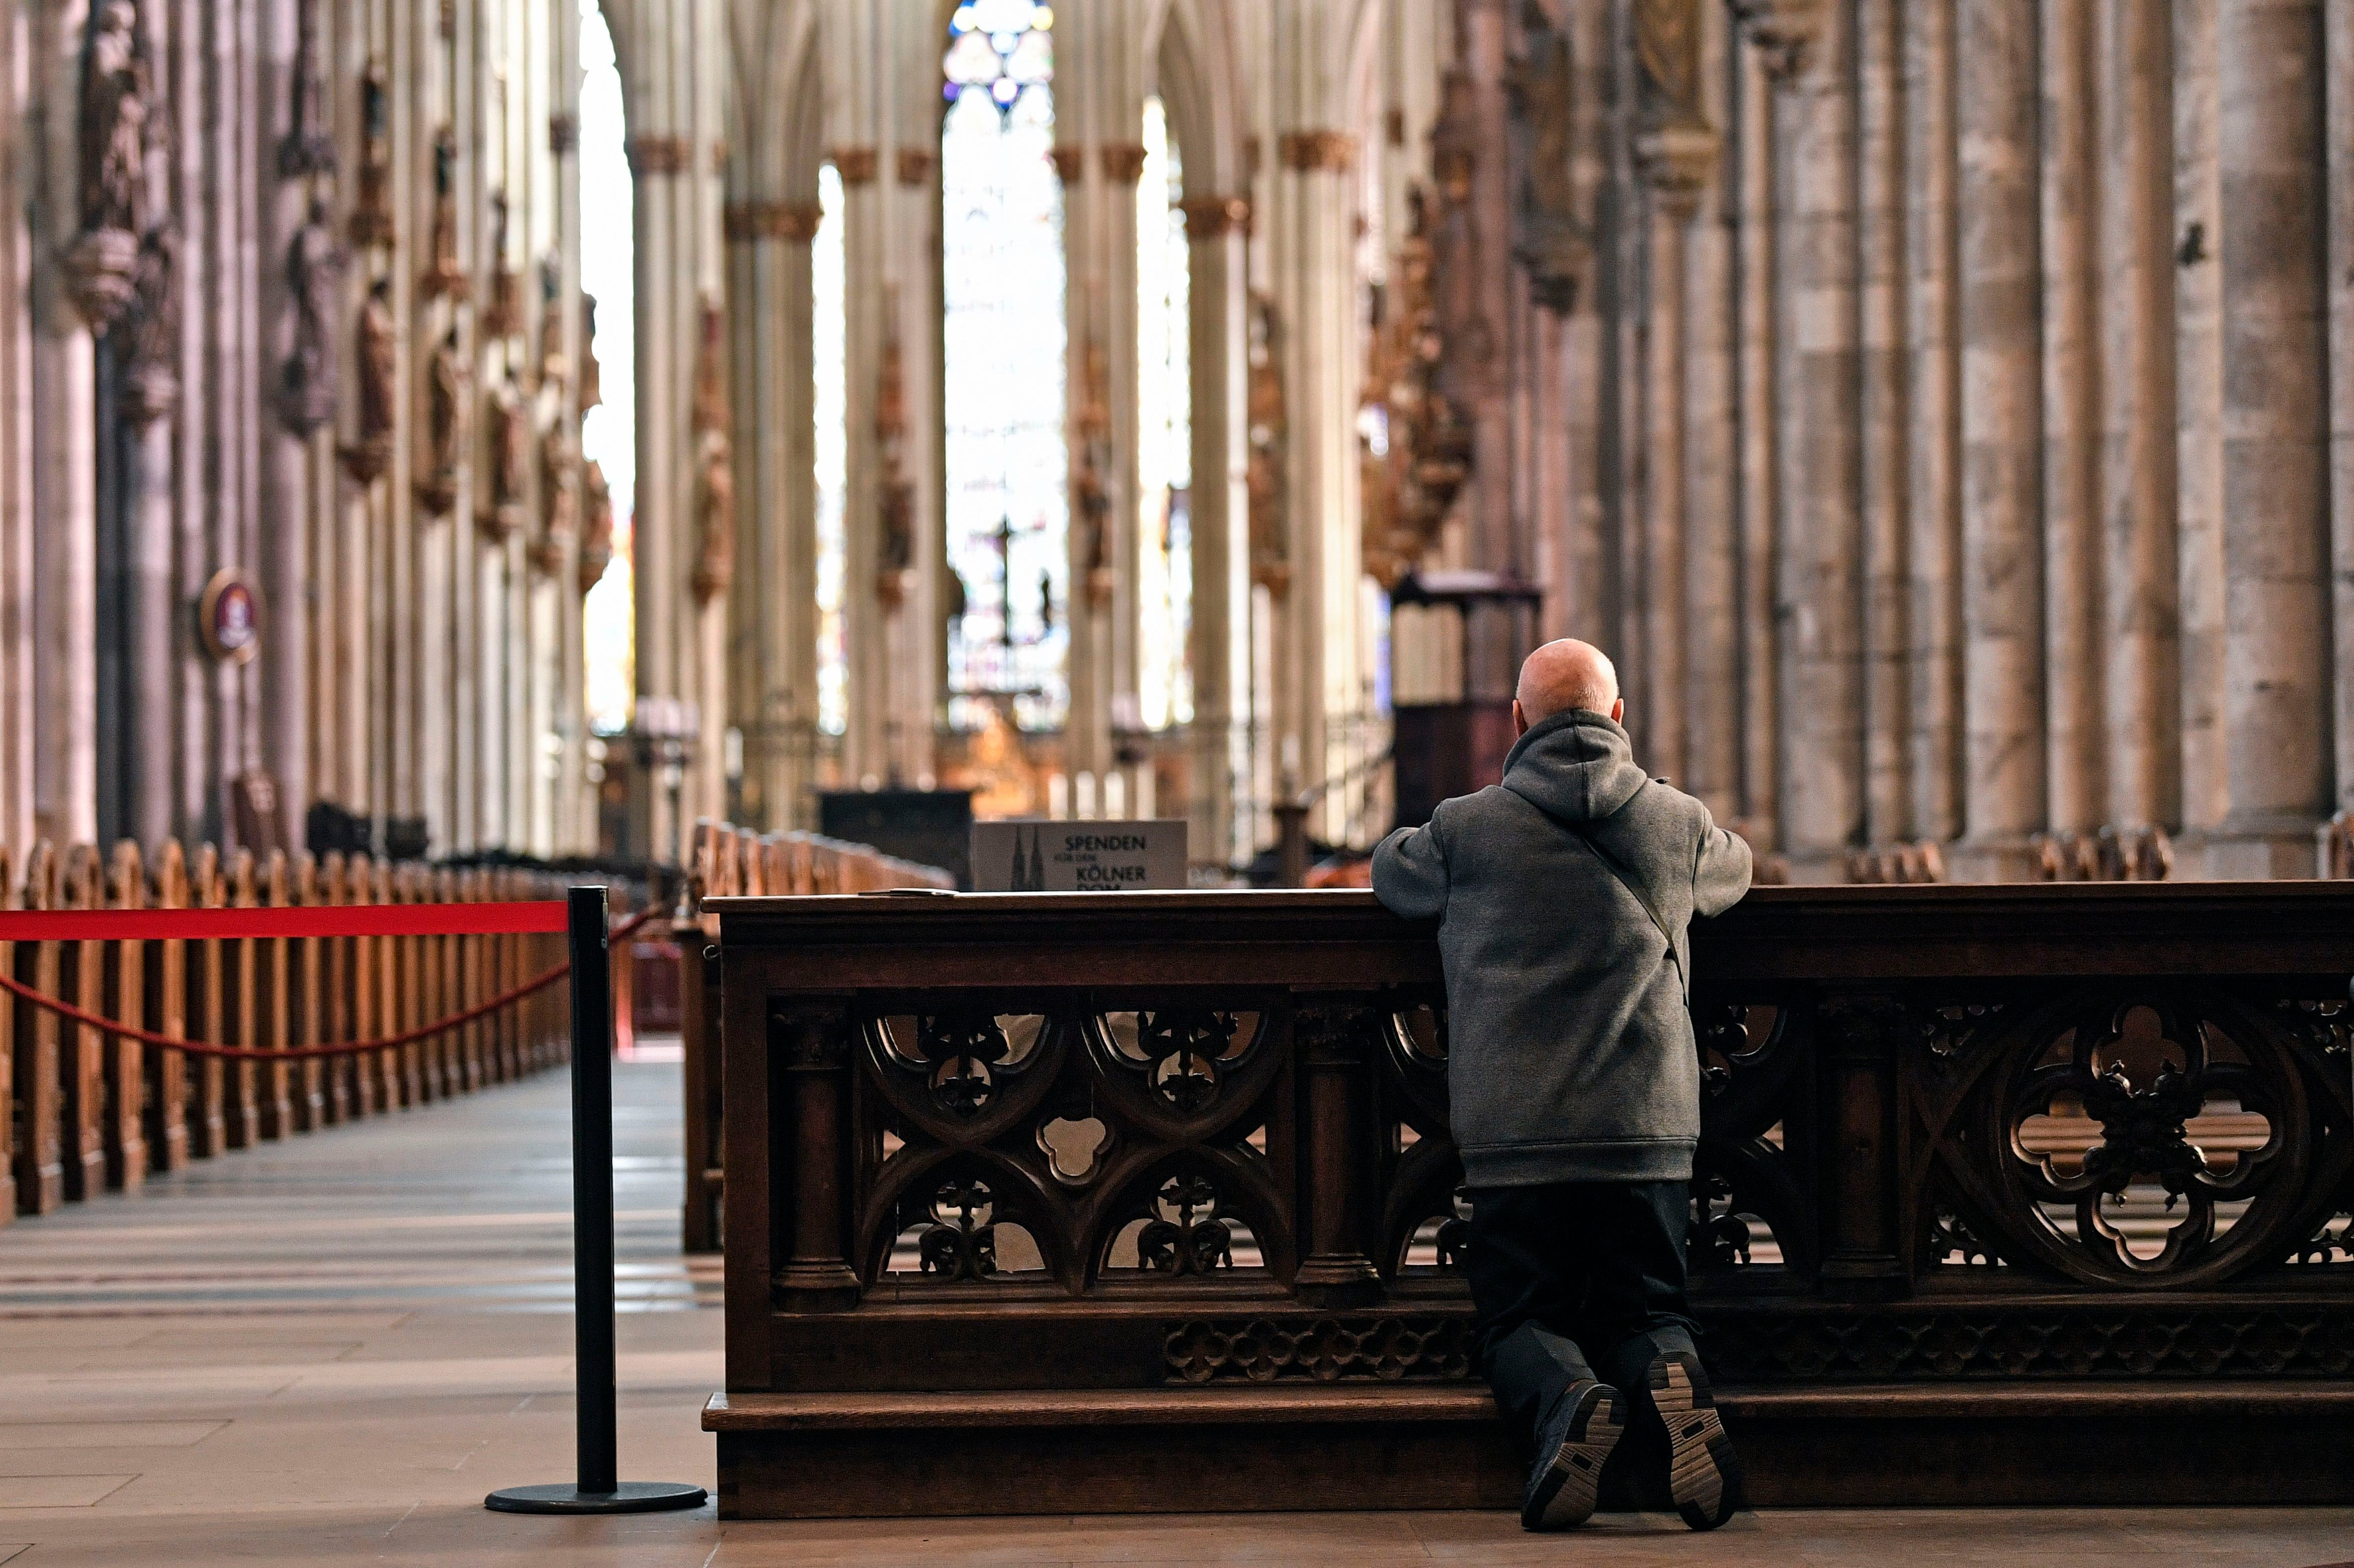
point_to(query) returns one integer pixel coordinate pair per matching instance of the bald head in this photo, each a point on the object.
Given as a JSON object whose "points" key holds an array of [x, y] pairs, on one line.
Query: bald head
{"points": [[1564, 675]]}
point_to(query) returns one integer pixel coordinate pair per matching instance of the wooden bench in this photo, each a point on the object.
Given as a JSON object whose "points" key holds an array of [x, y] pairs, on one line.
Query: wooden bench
{"points": [[1054, 1203]]}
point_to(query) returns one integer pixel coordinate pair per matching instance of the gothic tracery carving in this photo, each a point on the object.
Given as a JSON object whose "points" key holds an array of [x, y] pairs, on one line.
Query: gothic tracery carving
{"points": [[1417, 450]]}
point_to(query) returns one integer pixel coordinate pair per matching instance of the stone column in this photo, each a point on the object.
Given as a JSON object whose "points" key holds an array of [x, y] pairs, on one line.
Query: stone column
{"points": [[2276, 653], [2198, 410], [1819, 597], [65, 535], [2342, 379], [1933, 452], [2135, 268], [18, 526], [1673, 159], [148, 633], [1215, 233], [1885, 447], [2074, 648], [864, 745], [1319, 693], [284, 564], [775, 689], [1713, 485], [2002, 429], [1759, 489]]}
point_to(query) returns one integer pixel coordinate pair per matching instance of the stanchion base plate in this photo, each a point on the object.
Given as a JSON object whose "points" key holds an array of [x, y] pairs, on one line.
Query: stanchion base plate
{"points": [[632, 1497]]}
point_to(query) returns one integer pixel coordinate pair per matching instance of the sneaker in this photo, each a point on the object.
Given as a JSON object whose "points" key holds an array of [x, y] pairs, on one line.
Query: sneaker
{"points": [[1570, 1454], [1703, 1475]]}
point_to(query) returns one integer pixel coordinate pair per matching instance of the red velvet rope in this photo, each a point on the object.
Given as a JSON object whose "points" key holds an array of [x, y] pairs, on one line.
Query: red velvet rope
{"points": [[544, 914], [297, 1053]]}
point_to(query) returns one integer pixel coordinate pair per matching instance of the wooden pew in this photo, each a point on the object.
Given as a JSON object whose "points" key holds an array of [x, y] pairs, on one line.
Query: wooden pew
{"points": [[40, 1112], [171, 1140]]}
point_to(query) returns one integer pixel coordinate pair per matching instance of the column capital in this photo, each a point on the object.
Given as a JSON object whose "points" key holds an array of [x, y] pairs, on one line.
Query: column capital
{"points": [[1070, 162], [1215, 216], [1674, 160], [855, 165], [915, 166], [793, 221], [1786, 30], [660, 155], [1304, 151], [1123, 162]]}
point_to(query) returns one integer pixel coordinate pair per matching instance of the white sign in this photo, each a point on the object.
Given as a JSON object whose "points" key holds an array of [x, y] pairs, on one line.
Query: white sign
{"points": [[1030, 856]]}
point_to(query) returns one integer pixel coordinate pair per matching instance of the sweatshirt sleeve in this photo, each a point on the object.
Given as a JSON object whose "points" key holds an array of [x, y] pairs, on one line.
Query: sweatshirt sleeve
{"points": [[1410, 872], [1720, 875]]}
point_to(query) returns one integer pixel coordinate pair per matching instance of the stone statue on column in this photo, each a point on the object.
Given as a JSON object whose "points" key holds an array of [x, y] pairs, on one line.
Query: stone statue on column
{"points": [[1426, 456], [1091, 486], [510, 497], [1675, 146], [379, 384], [151, 387], [894, 556], [502, 311], [1555, 244], [445, 274], [715, 463], [314, 276], [448, 382], [592, 374], [310, 144], [595, 525], [559, 491], [117, 100], [372, 223], [1263, 477]]}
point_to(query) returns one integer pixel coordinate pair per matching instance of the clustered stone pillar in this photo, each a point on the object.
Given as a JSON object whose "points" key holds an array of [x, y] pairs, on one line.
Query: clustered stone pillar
{"points": [[2001, 425], [2273, 244], [1216, 232]]}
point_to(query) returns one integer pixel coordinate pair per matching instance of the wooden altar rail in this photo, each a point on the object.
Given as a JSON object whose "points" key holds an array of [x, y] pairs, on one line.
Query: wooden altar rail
{"points": [[731, 862], [1057, 1204], [91, 1111]]}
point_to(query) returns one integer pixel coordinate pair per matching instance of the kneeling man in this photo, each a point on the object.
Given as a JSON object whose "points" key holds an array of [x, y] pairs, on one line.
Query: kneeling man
{"points": [[1563, 895]]}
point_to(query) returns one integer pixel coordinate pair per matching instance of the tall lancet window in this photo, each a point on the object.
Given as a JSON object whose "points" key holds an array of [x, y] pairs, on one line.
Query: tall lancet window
{"points": [[829, 407], [1164, 459], [1002, 338]]}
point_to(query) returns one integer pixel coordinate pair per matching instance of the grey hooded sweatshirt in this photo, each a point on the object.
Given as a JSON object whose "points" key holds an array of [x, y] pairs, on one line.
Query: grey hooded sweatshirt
{"points": [[1570, 1052]]}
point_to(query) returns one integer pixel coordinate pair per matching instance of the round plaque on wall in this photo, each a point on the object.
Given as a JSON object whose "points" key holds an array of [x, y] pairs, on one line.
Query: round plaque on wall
{"points": [[228, 617]]}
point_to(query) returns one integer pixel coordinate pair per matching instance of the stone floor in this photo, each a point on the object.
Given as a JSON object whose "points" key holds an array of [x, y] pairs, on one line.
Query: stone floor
{"points": [[325, 1352]]}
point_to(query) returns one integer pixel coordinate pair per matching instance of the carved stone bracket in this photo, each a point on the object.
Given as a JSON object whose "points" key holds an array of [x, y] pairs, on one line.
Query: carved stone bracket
{"points": [[1675, 160], [1786, 30]]}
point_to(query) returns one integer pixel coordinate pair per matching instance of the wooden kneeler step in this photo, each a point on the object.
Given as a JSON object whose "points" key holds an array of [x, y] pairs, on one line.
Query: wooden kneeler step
{"points": [[1306, 1446]]}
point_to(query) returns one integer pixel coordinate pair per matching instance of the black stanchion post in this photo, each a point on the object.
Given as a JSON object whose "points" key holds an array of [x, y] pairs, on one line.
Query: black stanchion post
{"points": [[599, 1487]]}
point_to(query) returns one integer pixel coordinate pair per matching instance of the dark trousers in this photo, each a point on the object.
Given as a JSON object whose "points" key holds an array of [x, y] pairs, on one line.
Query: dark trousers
{"points": [[1573, 1280]]}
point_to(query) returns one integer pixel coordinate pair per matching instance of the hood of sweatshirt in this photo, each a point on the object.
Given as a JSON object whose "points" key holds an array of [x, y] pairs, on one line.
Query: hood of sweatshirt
{"points": [[1575, 767]]}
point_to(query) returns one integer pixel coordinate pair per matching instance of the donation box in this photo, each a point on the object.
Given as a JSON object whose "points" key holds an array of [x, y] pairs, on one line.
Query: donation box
{"points": [[1027, 856]]}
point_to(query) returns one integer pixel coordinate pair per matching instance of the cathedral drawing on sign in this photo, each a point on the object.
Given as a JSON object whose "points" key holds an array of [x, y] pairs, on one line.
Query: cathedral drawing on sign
{"points": [[461, 428]]}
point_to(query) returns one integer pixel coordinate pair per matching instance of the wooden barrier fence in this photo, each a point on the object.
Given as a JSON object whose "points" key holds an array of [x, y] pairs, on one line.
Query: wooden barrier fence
{"points": [[730, 861], [91, 1110]]}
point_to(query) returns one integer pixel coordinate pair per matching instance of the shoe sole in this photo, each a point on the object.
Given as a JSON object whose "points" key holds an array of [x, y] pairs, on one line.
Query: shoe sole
{"points": [[1566, 1496], [1700, 1455]]}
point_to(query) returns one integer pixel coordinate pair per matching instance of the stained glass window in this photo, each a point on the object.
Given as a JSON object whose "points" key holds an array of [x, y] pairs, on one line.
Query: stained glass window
{"points": [[1003, 337], [829, 405], [609, 432], [1164, 459]]}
